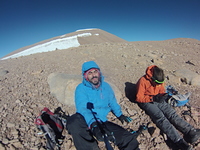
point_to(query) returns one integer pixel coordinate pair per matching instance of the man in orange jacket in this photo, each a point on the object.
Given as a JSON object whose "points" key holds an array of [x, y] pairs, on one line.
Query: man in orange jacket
{"points": [[151, 96]]}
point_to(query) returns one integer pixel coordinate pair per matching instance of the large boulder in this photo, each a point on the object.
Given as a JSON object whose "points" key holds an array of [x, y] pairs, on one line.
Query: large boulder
{"points": [[188, 77], [62, 86]]}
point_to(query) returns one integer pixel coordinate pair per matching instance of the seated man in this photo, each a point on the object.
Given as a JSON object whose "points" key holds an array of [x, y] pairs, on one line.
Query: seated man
{"points": [[94, 99], [151, 97]]}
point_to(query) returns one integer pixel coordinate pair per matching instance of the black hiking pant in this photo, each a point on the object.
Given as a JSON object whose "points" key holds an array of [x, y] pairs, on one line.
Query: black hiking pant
{"points": [[166, 119], [83, 139]]}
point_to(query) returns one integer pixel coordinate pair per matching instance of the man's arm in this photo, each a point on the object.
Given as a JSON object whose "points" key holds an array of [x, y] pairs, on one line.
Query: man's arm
{"points": [[141, 97], [115, 107], [81, 100]]}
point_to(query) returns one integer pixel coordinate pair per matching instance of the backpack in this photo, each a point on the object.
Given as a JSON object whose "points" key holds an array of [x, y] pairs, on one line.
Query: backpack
{"points": [[176, 99], [52, 125]]}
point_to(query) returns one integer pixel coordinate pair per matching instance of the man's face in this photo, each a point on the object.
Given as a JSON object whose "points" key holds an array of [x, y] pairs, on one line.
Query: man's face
{"points": [[93, 76]]}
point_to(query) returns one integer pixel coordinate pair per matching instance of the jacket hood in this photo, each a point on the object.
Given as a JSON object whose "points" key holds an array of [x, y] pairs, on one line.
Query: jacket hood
{"points": [[149, 72], [89, 65]]}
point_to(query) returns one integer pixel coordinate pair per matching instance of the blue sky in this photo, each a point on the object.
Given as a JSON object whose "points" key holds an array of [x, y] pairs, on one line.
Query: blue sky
{"points": [[25, 22]]}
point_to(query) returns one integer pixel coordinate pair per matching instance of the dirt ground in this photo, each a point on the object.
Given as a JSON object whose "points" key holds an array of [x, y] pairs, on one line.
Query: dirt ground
{"points": [[25, 91]]}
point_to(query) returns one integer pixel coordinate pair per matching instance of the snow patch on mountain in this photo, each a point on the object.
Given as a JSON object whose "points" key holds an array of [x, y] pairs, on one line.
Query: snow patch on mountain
{"points": [[85, 29], [57, 44]]}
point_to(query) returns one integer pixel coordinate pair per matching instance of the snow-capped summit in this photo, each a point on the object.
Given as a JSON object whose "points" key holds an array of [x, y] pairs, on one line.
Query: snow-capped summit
{"points": [[74, 39]]}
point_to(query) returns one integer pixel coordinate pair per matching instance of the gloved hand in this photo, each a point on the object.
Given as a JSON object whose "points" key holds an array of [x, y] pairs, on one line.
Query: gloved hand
{"points": [[123, 118], [160, 98], [95, 129]]}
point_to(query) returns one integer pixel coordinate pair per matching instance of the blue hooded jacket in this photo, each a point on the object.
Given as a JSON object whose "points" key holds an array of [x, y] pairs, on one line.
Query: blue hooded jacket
{"points": [[103, 98]]}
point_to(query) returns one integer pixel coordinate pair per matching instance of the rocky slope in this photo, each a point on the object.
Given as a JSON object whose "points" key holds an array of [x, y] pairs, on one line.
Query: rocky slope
{"points": [[25, 89]]}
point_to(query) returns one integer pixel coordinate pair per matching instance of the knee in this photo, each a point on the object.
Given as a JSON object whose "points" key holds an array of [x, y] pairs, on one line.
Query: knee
{"points": [[161, 120], [172, 115], [72, 122]]}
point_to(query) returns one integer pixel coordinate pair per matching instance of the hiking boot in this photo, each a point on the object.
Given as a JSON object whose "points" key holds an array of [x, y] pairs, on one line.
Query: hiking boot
{"points": [[183, 145], [192, 136]]}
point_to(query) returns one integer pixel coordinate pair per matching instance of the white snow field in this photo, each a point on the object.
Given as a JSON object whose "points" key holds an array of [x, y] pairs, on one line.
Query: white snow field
{"points": [[57, 44]]}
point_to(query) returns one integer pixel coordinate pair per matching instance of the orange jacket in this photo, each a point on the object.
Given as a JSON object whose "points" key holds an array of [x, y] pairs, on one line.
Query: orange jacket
{"points": [[146, 88]]}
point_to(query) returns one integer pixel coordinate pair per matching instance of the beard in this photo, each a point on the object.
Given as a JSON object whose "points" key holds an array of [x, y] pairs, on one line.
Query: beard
{"points": [[95, 80]]}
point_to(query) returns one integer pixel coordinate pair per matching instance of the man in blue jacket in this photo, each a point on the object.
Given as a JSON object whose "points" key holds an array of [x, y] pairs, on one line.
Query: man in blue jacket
{"points": [[85, 126]]}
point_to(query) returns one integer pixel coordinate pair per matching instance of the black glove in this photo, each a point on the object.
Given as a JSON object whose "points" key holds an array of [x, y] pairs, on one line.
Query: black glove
{"points": [[160, 98], [123, 118], [96, 131]]}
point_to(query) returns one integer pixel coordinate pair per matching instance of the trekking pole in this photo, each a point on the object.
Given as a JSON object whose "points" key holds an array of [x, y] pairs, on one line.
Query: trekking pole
{"points": [[90, 106]]}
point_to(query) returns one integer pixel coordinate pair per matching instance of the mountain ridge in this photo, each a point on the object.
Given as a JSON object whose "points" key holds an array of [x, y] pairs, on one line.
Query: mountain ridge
{"points": [[79, 37], [84, 37]]}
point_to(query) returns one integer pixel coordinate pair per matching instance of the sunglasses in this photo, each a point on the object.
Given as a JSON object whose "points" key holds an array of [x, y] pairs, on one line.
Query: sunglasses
{"points": [[158, 82]]}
